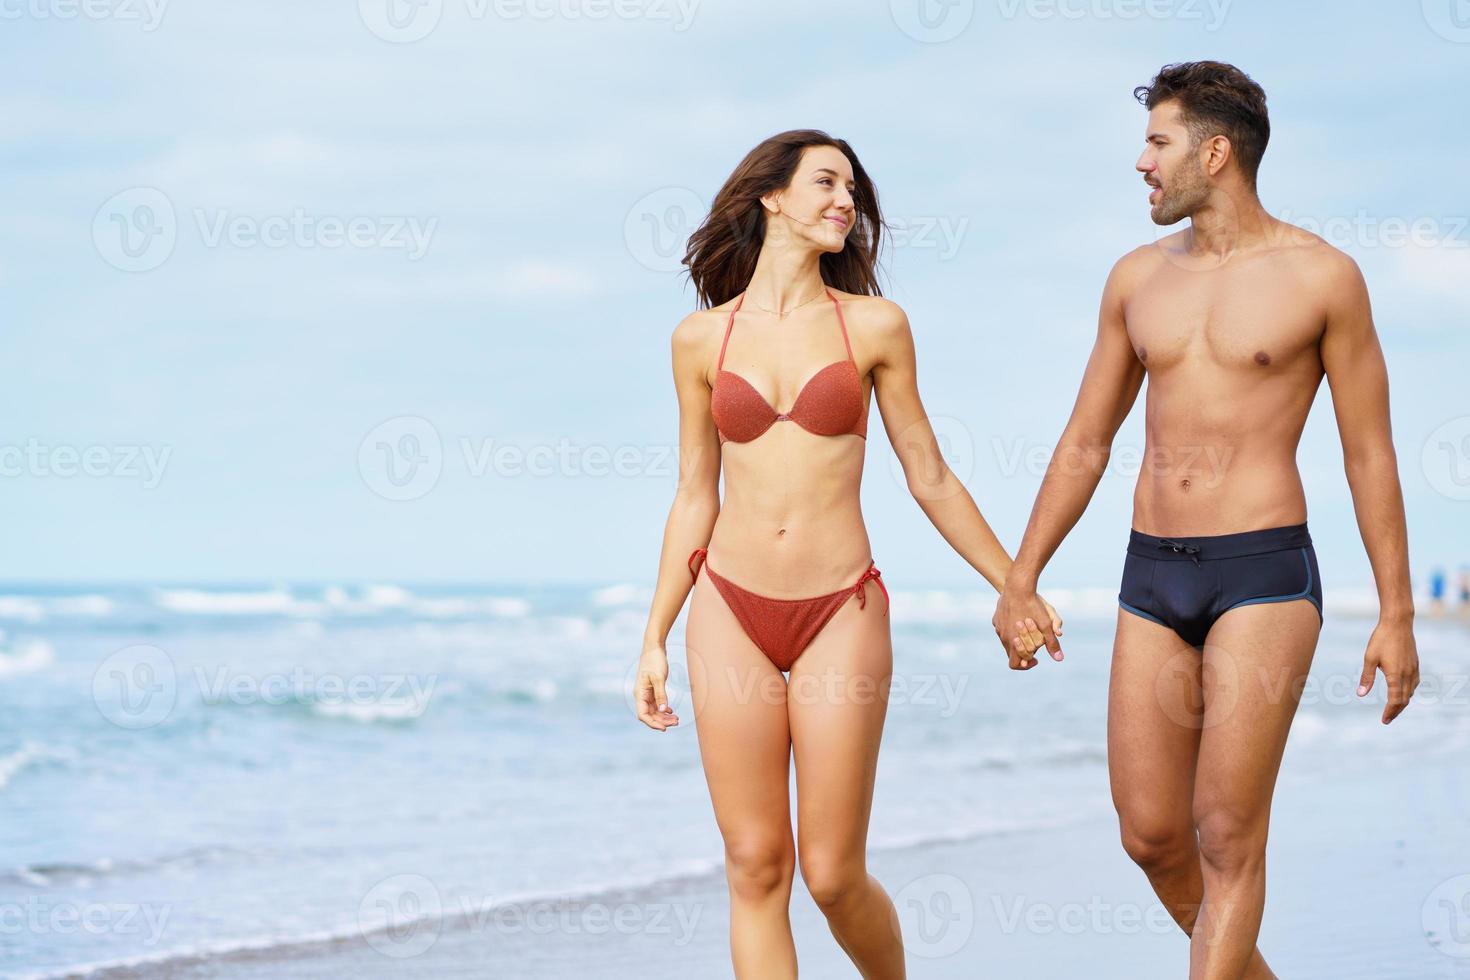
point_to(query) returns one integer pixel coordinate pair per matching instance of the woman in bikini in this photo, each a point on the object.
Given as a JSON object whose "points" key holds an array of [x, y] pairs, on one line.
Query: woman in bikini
{"points": [[782, 572]]}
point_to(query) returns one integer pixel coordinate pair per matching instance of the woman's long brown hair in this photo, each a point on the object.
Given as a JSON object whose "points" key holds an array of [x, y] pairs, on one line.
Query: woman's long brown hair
{"points": [[723, 250]]}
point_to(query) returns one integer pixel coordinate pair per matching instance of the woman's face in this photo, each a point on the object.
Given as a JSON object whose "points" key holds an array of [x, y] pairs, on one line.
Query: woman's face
{"points": [[817, 206]]}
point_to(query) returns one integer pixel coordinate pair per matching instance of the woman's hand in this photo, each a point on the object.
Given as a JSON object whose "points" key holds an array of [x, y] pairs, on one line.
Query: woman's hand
{"points": [[1018, 620], [648, 692]]}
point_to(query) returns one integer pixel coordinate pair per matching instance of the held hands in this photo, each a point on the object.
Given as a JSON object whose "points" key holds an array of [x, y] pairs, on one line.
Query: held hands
{"points": [[1392, 650], [1025, 623], [648, 690]]}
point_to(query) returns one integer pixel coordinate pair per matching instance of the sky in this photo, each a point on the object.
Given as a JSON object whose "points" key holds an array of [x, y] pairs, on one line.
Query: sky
{"points": [[381, 291]]}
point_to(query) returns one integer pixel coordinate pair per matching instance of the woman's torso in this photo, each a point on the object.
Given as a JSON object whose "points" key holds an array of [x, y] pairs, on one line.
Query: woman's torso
{"points": [[791, 402]]}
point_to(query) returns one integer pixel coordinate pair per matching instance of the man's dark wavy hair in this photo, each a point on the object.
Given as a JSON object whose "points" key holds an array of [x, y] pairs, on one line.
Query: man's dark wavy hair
{"points": [[1216, 99]]}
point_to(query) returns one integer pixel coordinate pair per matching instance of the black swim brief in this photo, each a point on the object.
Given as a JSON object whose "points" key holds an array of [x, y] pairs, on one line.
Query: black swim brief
{"points": [[1188, 583]]}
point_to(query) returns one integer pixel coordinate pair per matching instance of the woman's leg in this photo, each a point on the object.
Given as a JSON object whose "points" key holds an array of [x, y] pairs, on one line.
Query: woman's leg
{"points": [[837, 699], [739, 702]]}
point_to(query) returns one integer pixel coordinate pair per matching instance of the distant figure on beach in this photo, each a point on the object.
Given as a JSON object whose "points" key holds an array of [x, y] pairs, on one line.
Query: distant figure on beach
{"points": [[1436, 591], [1464, 608], [782, 570], [1234, 321]]}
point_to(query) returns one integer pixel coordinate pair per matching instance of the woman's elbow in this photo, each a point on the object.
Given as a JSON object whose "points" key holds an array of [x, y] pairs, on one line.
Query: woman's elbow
{"points": [[933, 480]]}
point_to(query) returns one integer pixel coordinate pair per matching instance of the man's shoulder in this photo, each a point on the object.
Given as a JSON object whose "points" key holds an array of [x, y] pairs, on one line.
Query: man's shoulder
{"points": [[1138, 264], [1315, 259]]}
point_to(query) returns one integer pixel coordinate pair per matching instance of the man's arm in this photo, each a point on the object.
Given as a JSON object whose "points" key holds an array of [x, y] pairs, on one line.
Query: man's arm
{"points": [[1109, 388], [1358, 377]]}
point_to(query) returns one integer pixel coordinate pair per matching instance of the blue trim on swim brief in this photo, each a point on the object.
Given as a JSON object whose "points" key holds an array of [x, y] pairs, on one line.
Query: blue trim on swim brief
{"points": [[1140, 613], [1303, 594]]}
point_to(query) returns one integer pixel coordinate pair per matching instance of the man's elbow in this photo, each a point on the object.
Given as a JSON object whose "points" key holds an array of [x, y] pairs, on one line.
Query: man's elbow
{"points": [[1368, 459], [1082, 451]]}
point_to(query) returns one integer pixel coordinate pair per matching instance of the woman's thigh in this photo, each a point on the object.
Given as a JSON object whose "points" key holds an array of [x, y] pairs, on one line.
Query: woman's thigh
{"points": [[837, 702], [740, 717]]}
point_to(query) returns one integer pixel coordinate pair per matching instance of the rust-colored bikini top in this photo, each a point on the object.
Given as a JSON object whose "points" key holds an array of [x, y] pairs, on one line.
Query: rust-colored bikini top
{"points": [[831, 403]]}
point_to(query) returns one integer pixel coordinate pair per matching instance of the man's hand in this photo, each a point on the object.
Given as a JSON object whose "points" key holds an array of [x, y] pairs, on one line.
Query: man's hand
{"points": [[1392, 651], [1025, 623]]}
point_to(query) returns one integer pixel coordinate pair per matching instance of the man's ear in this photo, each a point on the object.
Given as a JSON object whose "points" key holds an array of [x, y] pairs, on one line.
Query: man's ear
{"points": [[1217, 152]]}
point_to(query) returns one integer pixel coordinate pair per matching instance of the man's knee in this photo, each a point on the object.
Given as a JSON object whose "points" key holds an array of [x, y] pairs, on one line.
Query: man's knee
{"points": [[1230, 841], [1156, 845]]}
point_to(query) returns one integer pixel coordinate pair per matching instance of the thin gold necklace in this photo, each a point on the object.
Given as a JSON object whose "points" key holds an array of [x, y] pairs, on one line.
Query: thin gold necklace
{"points": [[784, 314]]}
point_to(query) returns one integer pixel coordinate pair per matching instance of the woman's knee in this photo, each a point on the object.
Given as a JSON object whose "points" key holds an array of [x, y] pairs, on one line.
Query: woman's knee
{"points": [[758, 867], [831, 878]]}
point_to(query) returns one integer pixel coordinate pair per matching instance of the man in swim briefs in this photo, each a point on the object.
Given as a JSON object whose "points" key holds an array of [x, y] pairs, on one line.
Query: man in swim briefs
{"points": [[1235, 320]]}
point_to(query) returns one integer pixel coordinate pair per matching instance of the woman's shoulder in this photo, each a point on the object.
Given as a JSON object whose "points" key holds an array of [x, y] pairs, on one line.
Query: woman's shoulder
{"points": [[871, 314], [702, 327]]}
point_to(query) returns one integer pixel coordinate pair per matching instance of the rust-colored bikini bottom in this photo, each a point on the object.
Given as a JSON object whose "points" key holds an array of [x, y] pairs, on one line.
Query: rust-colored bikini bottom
{"points": [[783, 628]]}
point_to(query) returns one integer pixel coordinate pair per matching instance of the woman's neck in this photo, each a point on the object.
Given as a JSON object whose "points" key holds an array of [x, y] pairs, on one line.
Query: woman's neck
{"points": [[785, 278]]}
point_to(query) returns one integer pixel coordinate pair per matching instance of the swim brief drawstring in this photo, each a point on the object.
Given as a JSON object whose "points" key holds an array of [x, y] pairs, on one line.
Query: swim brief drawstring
{"points": [[1192, 550]]}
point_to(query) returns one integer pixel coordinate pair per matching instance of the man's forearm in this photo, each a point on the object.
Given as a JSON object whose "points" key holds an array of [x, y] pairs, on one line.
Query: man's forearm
{"points": [[1072, 477], [1378, 501]]}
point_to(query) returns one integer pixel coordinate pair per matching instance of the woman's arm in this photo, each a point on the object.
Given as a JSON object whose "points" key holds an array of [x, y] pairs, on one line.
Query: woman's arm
{"points": [[691, 518], [939, 493]]}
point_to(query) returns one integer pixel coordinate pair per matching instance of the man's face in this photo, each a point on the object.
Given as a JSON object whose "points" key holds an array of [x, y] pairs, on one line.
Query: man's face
{"points": [[1171, 165]]}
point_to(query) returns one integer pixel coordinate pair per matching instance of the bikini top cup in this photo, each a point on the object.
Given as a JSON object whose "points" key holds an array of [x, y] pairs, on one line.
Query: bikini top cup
{"points": [[830, 403]]}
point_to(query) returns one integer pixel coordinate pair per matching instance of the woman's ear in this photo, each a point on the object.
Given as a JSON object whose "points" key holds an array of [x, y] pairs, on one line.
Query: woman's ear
{"points": [[772, 202]]}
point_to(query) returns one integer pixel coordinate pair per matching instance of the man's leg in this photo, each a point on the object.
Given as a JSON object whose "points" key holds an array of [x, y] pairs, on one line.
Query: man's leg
{"points": [[1256, 662], [1155, 716]]}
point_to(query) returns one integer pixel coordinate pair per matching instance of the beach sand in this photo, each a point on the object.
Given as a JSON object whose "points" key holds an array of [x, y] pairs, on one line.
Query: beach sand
{"points": [[1356, 876]]}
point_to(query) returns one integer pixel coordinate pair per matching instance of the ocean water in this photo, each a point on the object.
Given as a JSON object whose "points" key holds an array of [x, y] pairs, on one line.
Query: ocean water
{"points": [[188, 771]]}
